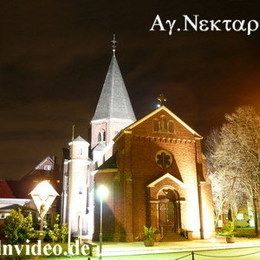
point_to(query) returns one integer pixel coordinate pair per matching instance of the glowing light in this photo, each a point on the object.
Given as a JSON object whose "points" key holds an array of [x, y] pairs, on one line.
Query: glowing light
{"points": [[240, 216], [43, 190], [158, 105], [43, 196], [102, 192]]}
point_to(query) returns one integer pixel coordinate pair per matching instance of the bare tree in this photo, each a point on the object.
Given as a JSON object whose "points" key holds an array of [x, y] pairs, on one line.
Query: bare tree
{"points": [[233, 153]]}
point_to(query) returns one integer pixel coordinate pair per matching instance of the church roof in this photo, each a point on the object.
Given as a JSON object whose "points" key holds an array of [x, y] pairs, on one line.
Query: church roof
{"points": [[114, 101], [100, 147], [188, 128], [109, 163]]}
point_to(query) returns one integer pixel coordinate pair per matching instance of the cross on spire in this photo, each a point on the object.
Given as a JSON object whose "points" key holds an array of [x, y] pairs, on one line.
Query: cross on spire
{"points": [[114, 42], [161, 99]]}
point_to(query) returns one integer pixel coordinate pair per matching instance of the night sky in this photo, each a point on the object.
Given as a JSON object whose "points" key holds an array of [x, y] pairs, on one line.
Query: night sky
{"points": [[54, 56]]}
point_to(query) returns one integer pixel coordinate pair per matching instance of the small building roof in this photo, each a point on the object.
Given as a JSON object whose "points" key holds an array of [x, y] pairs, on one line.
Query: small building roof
{"points": [[5, 191], [16, 207], [79, 139], [9, 207]]}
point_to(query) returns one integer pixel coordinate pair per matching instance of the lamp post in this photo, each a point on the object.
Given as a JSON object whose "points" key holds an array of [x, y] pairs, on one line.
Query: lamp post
{"points": [[102, 193], [43, 196]]}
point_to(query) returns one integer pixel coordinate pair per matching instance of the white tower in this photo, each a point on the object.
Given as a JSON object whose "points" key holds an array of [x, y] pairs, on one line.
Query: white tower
{"points": [[79, 180]]}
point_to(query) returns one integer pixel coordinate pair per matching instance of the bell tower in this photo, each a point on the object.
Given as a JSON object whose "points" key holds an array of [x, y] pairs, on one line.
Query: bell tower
{"points": [[113, 113]]}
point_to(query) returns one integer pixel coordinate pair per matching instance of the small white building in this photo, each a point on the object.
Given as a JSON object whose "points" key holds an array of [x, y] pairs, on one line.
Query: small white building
{"points": [[8, 200]]}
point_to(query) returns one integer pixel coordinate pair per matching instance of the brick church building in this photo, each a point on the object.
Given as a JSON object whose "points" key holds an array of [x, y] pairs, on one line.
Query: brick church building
{"points": [[154, 169], [157, 177]]}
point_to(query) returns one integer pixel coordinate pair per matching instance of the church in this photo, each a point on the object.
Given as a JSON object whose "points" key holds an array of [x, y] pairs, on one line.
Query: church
{"points": [[153, 167]]}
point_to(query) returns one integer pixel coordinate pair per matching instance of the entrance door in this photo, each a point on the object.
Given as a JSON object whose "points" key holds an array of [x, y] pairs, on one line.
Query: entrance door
{"points": [[169, 211]]}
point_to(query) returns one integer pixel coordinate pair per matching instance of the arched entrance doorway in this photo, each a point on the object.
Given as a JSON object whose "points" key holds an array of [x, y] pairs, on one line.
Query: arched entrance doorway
{"points": [[169, 211]]}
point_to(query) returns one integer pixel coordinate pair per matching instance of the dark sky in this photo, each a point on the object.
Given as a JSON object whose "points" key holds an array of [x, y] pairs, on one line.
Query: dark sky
{"points": [[54, 56]]}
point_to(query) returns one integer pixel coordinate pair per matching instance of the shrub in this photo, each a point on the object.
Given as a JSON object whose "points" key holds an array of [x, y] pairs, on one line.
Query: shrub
{"points": [[18, 227], [228, 229], [244, 232], [59, 232], [149, 233]]}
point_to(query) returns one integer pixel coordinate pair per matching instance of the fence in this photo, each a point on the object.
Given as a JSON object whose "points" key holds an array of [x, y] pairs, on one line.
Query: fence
{"points": [[192, 255]]}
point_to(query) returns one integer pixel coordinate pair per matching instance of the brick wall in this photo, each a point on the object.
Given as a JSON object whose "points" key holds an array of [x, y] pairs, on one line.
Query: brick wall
{"points": [[137, 168]]}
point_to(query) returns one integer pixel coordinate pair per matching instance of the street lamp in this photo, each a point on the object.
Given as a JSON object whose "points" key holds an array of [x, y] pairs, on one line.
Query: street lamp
{"points": [[102, 193], [43, 196]]}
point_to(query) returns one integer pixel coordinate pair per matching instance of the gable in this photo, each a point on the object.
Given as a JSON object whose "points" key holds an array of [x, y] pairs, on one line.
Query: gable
{"points": [[46, 165], [163, 122], [164, 177]]}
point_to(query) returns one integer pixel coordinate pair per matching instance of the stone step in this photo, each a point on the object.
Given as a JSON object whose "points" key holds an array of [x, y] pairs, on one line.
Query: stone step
{"points": [[172, 236]]}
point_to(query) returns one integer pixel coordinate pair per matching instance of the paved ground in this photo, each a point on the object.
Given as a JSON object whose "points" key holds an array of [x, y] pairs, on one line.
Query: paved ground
{"points": [[137, 248]]}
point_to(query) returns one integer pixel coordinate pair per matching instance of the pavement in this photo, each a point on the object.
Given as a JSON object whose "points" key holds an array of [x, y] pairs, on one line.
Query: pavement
{"points": [[138, 248]]}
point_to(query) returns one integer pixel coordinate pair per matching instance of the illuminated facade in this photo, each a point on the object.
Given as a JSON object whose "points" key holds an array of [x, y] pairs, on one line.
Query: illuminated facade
{"points": [[158, 178], [154, 169]]}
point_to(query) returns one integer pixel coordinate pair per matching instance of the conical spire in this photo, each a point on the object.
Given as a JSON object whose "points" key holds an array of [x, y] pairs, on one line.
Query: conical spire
{"points": [[114, 101]]}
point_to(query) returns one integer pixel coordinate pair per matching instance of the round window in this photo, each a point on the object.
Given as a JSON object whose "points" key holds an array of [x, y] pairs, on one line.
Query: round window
{"points": [[163, 159]]}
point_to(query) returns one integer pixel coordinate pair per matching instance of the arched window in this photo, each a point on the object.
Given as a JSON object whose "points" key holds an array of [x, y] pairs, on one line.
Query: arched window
{"points": [[171, 127], [102, 136], [156, 125], [163, 124], [99, 137]]}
